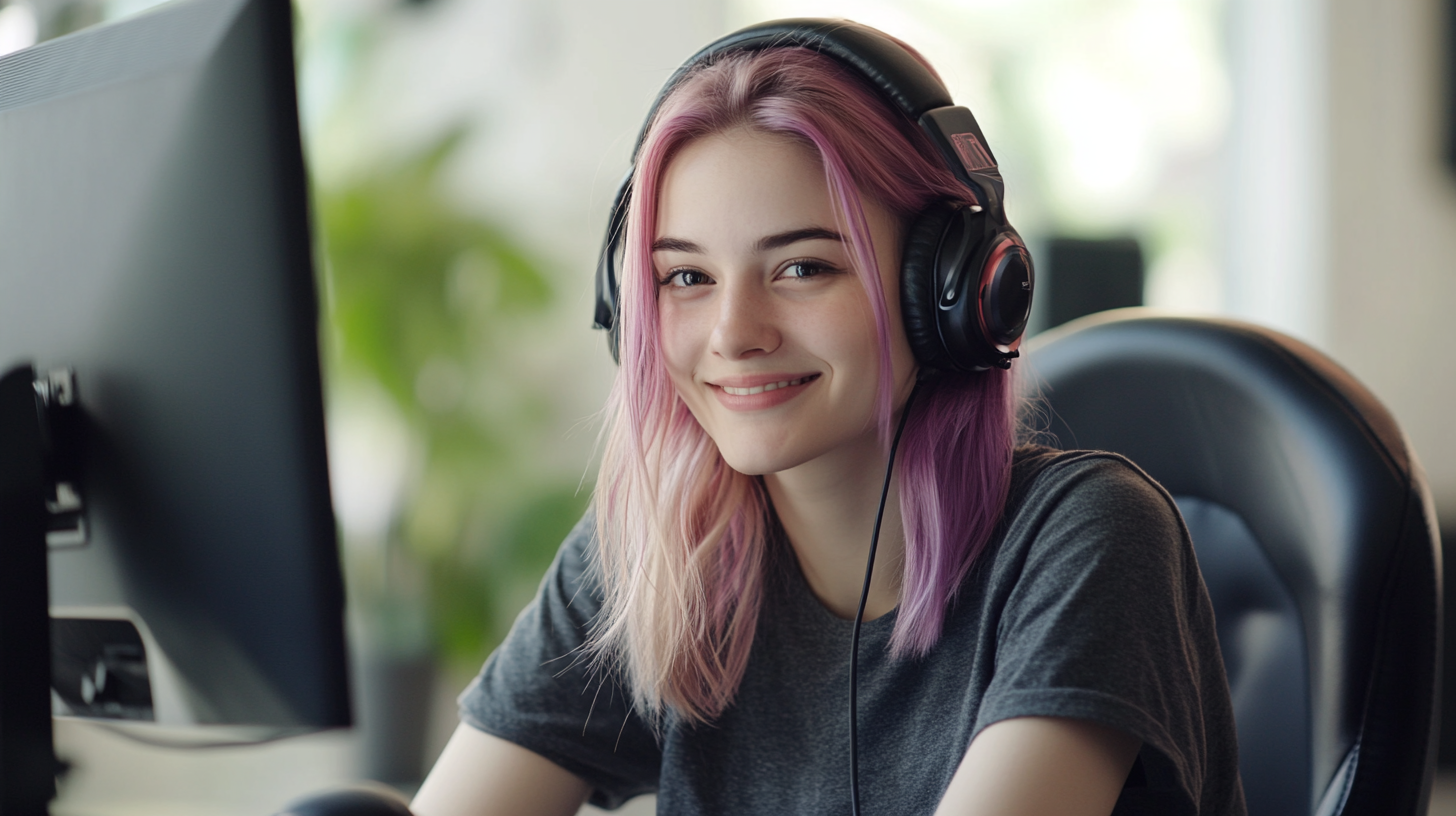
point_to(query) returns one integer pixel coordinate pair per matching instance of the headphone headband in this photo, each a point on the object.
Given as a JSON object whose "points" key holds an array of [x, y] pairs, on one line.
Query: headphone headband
{"points": [[893, 71]]}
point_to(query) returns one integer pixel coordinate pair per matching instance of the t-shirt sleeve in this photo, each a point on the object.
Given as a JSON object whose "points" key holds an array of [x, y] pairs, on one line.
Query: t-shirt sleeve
{"points": [[1108, 621], [541, 691]]}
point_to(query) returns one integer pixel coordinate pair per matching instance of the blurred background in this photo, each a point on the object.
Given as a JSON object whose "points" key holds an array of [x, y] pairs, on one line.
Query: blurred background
{"points": [[1288, 162]]}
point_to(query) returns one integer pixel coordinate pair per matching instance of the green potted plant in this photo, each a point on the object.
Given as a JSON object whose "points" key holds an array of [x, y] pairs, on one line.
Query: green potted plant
{"points": [[419, 299]]}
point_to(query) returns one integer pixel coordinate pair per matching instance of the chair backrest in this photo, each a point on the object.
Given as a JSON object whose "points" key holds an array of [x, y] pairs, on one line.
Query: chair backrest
{"points": [[1314, 532]]}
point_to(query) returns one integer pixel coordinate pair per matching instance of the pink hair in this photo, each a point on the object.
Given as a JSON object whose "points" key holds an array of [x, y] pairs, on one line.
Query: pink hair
{"points": [[684, 537]]}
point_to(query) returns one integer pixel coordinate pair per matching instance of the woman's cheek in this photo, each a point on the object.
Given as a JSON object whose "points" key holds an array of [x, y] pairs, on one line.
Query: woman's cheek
{"points": [[680, 346]]}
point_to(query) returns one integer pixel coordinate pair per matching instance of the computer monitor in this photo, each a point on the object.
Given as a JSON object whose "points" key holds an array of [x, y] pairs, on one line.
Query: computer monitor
{"points": [[155, 255]]}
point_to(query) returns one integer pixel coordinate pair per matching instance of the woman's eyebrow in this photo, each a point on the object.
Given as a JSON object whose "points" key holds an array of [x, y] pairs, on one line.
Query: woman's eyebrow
{"points": [[676, 245], [784, 239], [768, 242]]}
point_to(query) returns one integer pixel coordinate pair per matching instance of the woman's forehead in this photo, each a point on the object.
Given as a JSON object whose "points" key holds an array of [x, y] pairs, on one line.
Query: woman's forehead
{"points": [[739, 185]]}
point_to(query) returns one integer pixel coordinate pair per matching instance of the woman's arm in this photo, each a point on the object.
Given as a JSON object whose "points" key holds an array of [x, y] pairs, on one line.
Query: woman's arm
{"points": [[481, 775], [1046, 766]]}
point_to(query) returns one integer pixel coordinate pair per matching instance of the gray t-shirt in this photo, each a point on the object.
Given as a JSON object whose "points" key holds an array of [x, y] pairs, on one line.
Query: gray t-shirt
{"points": [[1086, 603]]}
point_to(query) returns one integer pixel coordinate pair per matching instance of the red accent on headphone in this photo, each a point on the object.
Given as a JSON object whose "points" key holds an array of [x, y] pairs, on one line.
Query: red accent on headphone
{"points": [[1006, 245]]}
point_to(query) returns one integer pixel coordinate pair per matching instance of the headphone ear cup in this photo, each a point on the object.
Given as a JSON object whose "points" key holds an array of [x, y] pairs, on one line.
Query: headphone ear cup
{"points": [[918, 287]]}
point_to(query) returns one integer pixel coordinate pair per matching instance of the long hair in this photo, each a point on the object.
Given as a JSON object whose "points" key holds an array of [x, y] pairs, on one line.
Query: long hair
{"points": [[682, 537]]}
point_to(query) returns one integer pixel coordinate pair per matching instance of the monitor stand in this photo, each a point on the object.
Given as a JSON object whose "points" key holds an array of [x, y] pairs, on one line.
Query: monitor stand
{"points": [[27, 755]]}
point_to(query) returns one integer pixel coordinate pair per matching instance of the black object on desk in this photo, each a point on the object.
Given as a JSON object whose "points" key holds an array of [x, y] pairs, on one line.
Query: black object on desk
{"points": [[351, 802]]}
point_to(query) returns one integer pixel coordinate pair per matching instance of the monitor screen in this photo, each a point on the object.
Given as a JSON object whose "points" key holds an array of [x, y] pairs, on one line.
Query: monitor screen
{"points": [[154, 243]]}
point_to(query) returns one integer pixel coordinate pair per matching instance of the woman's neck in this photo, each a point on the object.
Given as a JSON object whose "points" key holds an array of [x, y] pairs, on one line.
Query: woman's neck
{"points": [[827, 507]]}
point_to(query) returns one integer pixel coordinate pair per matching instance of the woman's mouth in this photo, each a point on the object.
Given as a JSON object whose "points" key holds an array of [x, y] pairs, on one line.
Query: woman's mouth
{"points": [[754, 393], [759, 389]]}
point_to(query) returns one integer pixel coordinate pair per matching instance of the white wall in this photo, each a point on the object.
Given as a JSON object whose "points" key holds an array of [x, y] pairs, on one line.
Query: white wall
{"points": [[1275, 222], [1391, 288]]}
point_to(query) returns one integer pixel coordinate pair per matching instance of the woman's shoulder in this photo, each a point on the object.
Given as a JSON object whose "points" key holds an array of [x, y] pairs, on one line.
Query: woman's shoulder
{"points": [[1041, 474], [1087, 499], [1092, 537]]}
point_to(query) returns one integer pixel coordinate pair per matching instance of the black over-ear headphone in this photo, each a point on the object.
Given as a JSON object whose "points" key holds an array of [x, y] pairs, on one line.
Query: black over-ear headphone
{"points": [[966, 276]]}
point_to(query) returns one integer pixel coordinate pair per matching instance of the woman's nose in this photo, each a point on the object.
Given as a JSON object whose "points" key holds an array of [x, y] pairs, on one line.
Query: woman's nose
{"points": [[746, 324]]}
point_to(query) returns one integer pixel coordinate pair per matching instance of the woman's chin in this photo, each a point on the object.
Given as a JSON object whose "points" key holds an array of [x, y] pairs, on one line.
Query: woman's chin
{"points": [[752, 468], [760, 462], [755, 455]]}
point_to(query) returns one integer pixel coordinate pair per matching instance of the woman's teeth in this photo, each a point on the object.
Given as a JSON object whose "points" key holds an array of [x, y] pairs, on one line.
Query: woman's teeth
{"points": [[759, 389]]}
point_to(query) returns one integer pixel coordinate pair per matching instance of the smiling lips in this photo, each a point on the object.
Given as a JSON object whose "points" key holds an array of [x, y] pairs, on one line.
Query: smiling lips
{"points": [[752, 394], [759, 389]]}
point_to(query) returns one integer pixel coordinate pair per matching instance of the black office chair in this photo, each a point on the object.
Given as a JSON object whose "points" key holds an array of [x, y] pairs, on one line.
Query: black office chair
{"points": [[1314, 531]]}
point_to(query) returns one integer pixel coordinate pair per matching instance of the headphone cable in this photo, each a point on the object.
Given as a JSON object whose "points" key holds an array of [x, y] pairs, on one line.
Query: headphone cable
{"points": [[859, 616]]}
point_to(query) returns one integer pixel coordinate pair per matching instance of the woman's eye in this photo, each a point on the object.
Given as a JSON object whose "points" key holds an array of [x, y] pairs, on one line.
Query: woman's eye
{"points": [[805, 269], [686, 277]]}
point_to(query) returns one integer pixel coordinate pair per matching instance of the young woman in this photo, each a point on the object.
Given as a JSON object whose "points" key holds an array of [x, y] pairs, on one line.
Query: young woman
{"points": [[1036, 637]]}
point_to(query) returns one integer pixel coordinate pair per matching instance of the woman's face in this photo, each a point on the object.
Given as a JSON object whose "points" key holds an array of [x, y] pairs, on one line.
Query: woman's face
{"points": [[766, 329]]}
